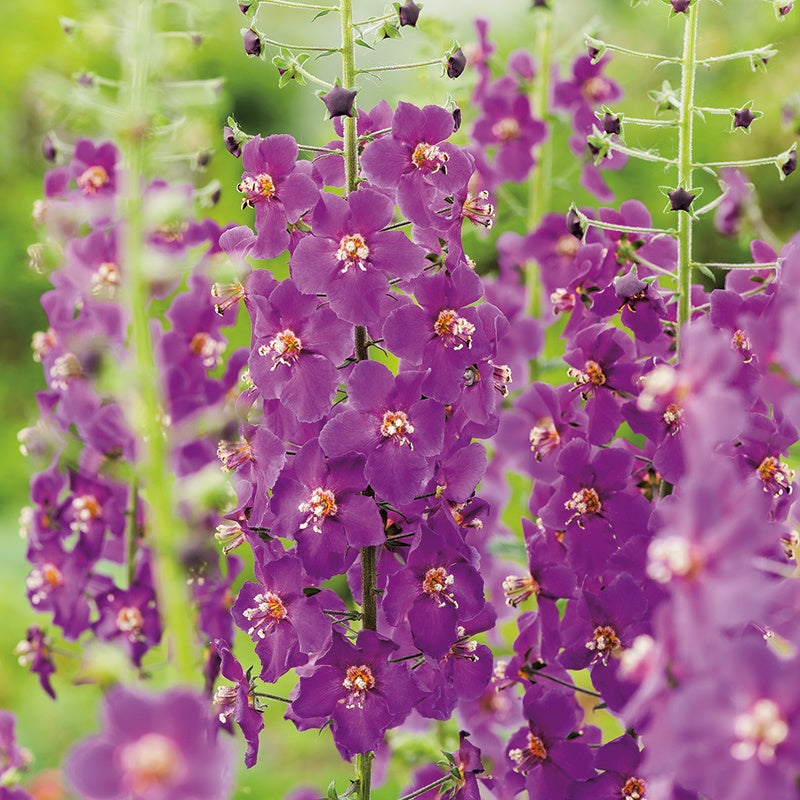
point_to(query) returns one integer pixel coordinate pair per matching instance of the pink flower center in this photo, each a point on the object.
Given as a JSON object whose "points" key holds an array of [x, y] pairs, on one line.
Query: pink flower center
{"points": [[42, 343], [358, 681], [592, 375], [234, 454], [673, 417], [149, 763], [478, 210], [130, 620], [759, 732], [544, 438], [353, 251], [436, 584], [65, 369], [256, 188], [454, 331], [208, 348], [105, 280], [741, 341], [567, 245], [634, 789], [776, 476], [320, 505], [595, 89], [518, 589], [526, 758], [584, 503], [285, 348], [92, 179], [396, 426], [429, 157], [505, 129], [603, 643], [267, 611]]}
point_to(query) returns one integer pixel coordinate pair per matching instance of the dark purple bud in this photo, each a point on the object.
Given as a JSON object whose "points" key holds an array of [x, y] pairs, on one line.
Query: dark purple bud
{"points": [[49, 150], [743, 117], [594, 52], [611, 124], [252, 42], [85, 80], [231, 145], [541, 4], [785, 9], [790, 164], [409, 13], [574, 224], [203, 158], [456, 63], [244, 6], [215, 195], [339, 101], [680, 6], [680, 199], [456, 119], [196, 39]]}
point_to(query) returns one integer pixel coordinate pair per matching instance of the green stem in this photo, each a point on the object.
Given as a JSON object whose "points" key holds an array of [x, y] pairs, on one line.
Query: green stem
{"points": [[642, 155], [650, 123], [767, 51], [614, 48], [310, 76], [289, 4], [540, 184], [391, 67], [154, 476], [737, 265], [297, 47], [133, 531], [424, 789], [748, 162], [685, 141], [363, 761]]}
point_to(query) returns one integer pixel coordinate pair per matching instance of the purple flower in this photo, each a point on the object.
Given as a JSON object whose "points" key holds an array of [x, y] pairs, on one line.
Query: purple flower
{"points": [[640, 303], [438, 590], [153, 747], [319, 503], [350, 258], [386, 421], [237, 701], [276, 188], [417, 162], [284, 623], [297, 347], [359, 690], [33, 652]]}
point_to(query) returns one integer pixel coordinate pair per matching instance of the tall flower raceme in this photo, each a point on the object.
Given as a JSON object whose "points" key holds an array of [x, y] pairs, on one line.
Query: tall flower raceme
{"points": [[661, 534]]}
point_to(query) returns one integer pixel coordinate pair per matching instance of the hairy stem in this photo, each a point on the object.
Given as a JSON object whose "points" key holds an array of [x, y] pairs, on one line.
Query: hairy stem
{"points": [[153, 471], [685, 139]]}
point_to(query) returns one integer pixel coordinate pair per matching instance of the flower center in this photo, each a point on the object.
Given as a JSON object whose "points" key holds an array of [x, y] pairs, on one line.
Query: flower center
{"points": [[396, 426], [776, 476], [92, 179], [234, 454], [42, 342], [464, 647], [358, 680], [353, 251], [518, 589], [741, 342], [256, 188], [229, 293], [478, 210], [285, 347], [65, 368], [269, 610], [563, 300], [86, 507], [671, 556], [634, 789], [105, 279], [149, 762], [230, 535], [505, 129], [591, 374], [759, 732], [567, 245], [436, 583], [320, 505], [454, 331], [130, 620], [604, 642], [594, 89], [207, 348], [42, 580], [544, 438], [525, 759], [429, 157], [584, 503], [225, 700], [673, 418]]}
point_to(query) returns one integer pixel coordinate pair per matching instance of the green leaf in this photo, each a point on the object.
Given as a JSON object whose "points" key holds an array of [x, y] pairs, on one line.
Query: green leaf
{"points": [[363, 43], [332, 793], [321, 14]]}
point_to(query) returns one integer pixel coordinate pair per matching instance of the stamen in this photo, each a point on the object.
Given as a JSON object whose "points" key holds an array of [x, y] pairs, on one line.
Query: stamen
{"points": [[234, 454], [65, 369], [673, 418], [321, 504], [130, 621], [454, 331], [478, 210], [436, 583], [353, 251], [256, 188], [396, 425], [285, 347], [429, 158], [268, 611], [358, 681], [604, 642], [105, 280], [634, 789], [527, 758], [592, 375], [544, 438], [759, 732], [92, 179], [518, 589], [585, 503], [776, 476], [209, 349], [505, 129]]}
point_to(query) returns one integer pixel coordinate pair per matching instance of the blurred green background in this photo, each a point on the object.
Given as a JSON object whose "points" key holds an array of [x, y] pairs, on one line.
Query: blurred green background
{"points": [[39, 64]]}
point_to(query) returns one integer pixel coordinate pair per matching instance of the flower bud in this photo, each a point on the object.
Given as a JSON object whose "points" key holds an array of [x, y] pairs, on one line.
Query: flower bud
{"points": [[456, 63], [680, 199], [409, 13], [339, 101], [252, 42], [456, 119], [231, 145], [49, 150]]}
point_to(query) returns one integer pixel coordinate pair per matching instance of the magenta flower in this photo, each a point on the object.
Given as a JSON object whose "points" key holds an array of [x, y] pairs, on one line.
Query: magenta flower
{"points": [[359, 690], [399, 433], [278, 190], [153, 747], [417, 162], [350, 258]]}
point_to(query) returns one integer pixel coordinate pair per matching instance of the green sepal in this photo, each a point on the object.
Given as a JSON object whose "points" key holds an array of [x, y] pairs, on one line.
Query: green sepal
{"points": [[332, 794]]}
